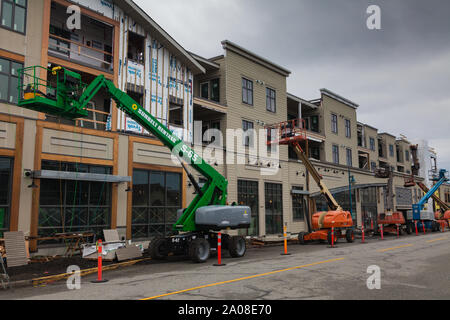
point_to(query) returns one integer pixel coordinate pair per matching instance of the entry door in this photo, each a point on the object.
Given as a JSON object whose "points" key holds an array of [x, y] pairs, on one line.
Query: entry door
{"points": [[274, 208], [370, 216]]}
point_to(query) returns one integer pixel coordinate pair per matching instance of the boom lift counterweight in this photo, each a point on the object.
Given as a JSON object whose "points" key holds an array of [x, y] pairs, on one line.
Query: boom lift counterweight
{"points": [[205, 215]]}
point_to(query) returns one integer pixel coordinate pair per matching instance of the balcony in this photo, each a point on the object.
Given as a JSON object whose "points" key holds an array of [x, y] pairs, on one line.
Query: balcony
{"points": [[207, 115], [90, 46]]}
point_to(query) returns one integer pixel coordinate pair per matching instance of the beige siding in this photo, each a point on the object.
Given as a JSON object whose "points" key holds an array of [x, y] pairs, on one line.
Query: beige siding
{"points": [[77, 145], [343, 112], [7, 135]]}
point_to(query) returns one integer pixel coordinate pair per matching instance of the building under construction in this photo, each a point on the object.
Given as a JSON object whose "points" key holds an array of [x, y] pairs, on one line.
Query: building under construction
{"points": [[130, 182]]}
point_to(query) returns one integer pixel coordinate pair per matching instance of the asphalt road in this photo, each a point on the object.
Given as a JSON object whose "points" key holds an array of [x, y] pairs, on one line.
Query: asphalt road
{"points": [[411, 268]]}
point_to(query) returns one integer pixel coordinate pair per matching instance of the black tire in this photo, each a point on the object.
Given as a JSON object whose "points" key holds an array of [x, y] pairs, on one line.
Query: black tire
{"points": [[301, 238], [158, 249], [409, 228], [237, 247], [350, 236], [199, 250], [436, 227]]}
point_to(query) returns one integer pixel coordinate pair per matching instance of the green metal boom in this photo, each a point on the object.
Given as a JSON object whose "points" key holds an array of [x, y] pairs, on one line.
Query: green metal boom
{"points": [[69, 100]]}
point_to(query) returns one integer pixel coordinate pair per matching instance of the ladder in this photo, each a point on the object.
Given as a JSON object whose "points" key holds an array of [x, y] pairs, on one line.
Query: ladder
{"points": [[4, 277]]}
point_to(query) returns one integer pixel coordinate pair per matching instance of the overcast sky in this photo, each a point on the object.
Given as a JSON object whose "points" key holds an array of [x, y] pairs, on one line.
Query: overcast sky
{"points": [[399, 75]]}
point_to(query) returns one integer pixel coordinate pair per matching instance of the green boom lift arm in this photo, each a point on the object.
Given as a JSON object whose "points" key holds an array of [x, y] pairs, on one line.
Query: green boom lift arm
{"points": [[70, 101]]}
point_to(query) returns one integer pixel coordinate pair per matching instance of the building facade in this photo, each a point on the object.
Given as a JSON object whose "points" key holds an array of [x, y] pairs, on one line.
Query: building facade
{"points": [[190, 94], [120, 41]]}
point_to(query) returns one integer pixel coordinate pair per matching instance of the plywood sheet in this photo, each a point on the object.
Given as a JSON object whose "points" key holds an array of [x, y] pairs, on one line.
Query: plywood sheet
{"points": [[16, 252]]}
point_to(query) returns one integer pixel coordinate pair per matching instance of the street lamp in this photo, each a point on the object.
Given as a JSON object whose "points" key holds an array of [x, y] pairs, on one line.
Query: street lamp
{"points": [[351, 181]]}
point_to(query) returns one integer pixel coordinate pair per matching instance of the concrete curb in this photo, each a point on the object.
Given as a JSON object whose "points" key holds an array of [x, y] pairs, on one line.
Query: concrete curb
{"points": [[50, 279]]}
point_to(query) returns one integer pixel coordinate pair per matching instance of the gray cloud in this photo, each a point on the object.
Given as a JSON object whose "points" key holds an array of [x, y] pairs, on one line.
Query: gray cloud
{"points": [[400, 75]]}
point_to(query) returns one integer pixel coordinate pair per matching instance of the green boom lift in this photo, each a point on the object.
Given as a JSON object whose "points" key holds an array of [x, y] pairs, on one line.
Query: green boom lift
{"points": [[195, 231]]}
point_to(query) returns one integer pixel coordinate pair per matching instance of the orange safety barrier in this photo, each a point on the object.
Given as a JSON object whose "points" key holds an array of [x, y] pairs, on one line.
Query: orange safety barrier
{"points": [[100, 264]]}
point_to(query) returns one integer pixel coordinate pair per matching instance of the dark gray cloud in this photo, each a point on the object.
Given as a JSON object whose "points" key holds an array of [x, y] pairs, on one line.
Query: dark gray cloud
{"points": [[399, 75]]}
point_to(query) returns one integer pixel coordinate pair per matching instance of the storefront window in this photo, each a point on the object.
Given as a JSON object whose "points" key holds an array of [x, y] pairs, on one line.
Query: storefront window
{"points": [[248, 196], [157, 197], [6, 165], [274, 208], [72, 206], [298, 204]]}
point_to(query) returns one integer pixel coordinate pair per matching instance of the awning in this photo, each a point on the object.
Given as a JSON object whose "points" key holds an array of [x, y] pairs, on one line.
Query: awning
{"points": [[345, 188], [78, 176]]}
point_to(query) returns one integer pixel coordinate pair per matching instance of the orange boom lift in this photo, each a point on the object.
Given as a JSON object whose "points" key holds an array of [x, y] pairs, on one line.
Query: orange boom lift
{"points": [[291, 133]]}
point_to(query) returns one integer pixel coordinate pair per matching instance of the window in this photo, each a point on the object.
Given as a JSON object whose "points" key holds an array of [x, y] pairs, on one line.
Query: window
{"points": [[248, 137], [204, 90], [6, 166], [215, 90], [372, 144], [136, 47], [157, 197], [298, 204], [247, 91], [349, 157], [407, 157], [13, 15], [336, 154], [314, 123], [176, 111], [348, 129], [210, 94], [373, 166], [314, 153], [9, 80], [248, 196], [334, 123], [271, 100], [391, 150], [73, 206]]}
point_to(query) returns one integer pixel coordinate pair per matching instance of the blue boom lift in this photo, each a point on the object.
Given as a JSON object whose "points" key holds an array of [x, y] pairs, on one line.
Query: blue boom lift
{"points": [[425, 217]]}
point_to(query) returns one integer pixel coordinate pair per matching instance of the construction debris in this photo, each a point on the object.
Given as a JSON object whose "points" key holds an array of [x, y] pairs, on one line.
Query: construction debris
{"points": [[16, 251]]}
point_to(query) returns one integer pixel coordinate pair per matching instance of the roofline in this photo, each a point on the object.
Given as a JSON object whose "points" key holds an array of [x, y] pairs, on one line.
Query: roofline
{"points": [[167, 40], [400, 139], [216, 57], [228, 45], [387, 134], [366, 125], [204, 60], [302, 101], [339, 98]]}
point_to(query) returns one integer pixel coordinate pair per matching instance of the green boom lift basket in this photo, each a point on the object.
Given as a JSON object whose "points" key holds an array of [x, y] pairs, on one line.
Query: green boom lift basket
{"points": [[58, 98]]}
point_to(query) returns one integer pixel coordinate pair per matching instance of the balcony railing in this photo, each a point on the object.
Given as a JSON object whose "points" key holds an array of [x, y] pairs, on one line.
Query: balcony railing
{"points": [[80, 53]]}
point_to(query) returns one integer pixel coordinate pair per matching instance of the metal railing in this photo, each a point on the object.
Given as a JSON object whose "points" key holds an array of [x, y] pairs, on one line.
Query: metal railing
{"points": [[32, 84], [71, 53]]}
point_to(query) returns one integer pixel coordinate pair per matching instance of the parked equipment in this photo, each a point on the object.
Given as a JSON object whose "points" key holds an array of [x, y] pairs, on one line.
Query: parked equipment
{"points": [[291, 133], [441, 216], [441, 219], [195, 232], [425, 219], [392, 222]]}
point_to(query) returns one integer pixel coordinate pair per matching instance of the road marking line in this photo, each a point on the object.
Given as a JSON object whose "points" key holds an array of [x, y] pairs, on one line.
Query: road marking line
{"points": [[435, 240], [242, 279], [394, 248]]}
